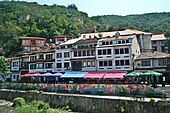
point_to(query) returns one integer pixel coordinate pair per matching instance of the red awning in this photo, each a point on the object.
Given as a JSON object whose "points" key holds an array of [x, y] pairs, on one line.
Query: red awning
{"points": [[36, 74], [94, 75], [114, 75], [26, 75]]}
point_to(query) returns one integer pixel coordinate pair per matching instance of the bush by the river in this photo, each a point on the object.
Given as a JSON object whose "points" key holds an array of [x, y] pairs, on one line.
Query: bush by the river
{"points": [[33, 107]]}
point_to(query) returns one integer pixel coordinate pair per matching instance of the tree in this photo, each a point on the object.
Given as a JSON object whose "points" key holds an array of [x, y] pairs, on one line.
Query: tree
{"points": [[73, 6], [4, 69]]}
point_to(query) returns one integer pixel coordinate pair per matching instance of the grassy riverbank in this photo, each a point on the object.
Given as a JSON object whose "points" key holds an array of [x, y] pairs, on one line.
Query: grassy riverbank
{"points": [[6, 107]]}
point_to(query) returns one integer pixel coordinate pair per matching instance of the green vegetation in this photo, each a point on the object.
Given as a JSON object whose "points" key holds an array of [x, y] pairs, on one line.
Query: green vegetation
{"points": [[34, 107], [18, 102], [4, 69], [19, 19]]}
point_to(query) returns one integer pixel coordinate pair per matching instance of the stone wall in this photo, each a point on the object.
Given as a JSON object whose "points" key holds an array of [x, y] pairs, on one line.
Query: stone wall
{"points": [[89, 103]]}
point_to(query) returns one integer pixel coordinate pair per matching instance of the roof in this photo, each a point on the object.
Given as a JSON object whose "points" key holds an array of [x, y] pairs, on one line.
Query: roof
{"points": [[112, 34], [71, 41], [120, 37], [87, 41], [158, 37], [149, 55], [39, 38]]}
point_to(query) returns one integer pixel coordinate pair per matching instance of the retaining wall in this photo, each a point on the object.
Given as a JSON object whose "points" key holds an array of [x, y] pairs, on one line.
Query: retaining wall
{"points": [[89, 103]]}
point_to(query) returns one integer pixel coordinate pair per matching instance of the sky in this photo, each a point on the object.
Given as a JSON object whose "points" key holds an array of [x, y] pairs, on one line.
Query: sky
{"points": [[112, 7]]}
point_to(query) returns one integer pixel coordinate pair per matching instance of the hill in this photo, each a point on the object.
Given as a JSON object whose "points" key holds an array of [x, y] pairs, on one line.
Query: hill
{"points": [[19, 19], [151, 22]]}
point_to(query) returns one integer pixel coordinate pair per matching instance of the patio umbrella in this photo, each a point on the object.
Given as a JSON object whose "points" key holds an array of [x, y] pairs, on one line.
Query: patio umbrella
{"points": [[46, 74], [152, 73], [36, 74], [133, 74], [57, 74]]}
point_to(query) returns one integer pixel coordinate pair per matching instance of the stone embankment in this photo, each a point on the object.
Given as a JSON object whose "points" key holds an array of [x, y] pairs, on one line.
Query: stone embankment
{"points": [[91, 103]]}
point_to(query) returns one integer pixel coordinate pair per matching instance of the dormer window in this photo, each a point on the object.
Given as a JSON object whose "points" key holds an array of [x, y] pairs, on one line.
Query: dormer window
{"points": [[117, 34], [84, 36], [100, 35], [90, 36]]}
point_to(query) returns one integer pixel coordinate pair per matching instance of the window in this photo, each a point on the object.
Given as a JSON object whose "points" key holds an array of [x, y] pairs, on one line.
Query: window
{"points": [[162, 62], [126, 62], [104, 52], [123, 41], [15, 64], [117, 63], [105, 63], [41, 56], [79, 53], [84, 53], [49, 56], [66, 55], [100, 63], [75, 54], [33, 66], [127, 41], [39, 66], [116, 51], [93, 63], [108, 51], [110, 63], [92, 52], [33, 58], [126, 50], [99, 52], [66, 64], [146, 63], [88, 64], [59, 65], [119, 42], [121, 51], [84, 64], [88, 53], [59, 55], [122, 62], [48, 65]]}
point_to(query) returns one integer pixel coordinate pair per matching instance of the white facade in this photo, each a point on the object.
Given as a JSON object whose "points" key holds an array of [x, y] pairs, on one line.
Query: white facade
{"points": [[62, 60], [15, 69], [42, 62]]}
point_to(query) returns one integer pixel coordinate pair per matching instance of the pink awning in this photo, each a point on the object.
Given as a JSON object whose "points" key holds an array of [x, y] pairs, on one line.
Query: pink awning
{"points": [[93, 75], [114, 75], [36, 74], [26, 75]]}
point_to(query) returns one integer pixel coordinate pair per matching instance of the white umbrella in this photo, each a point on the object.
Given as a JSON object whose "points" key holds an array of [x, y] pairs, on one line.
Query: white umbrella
{"points": [[46, 74]]}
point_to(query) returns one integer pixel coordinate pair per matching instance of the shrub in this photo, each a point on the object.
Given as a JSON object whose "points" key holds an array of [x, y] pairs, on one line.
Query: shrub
{"points": [[40, 105], [18, 102]]}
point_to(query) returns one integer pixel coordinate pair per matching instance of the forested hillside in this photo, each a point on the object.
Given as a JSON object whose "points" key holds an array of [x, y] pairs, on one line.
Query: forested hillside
{"points": [[19, 19], [152, 22]]}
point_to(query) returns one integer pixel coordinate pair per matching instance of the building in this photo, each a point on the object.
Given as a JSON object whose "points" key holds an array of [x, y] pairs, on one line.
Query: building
{"points": [[84, 55], [42, 61], [32, 43], [144, 38], [154, 61], [64, 54], [61, 39], [104, 52], [15, 68], [159, 43]]}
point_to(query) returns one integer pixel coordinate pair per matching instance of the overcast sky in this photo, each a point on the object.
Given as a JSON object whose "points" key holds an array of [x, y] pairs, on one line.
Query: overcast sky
{"points": [[115, 7]]}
